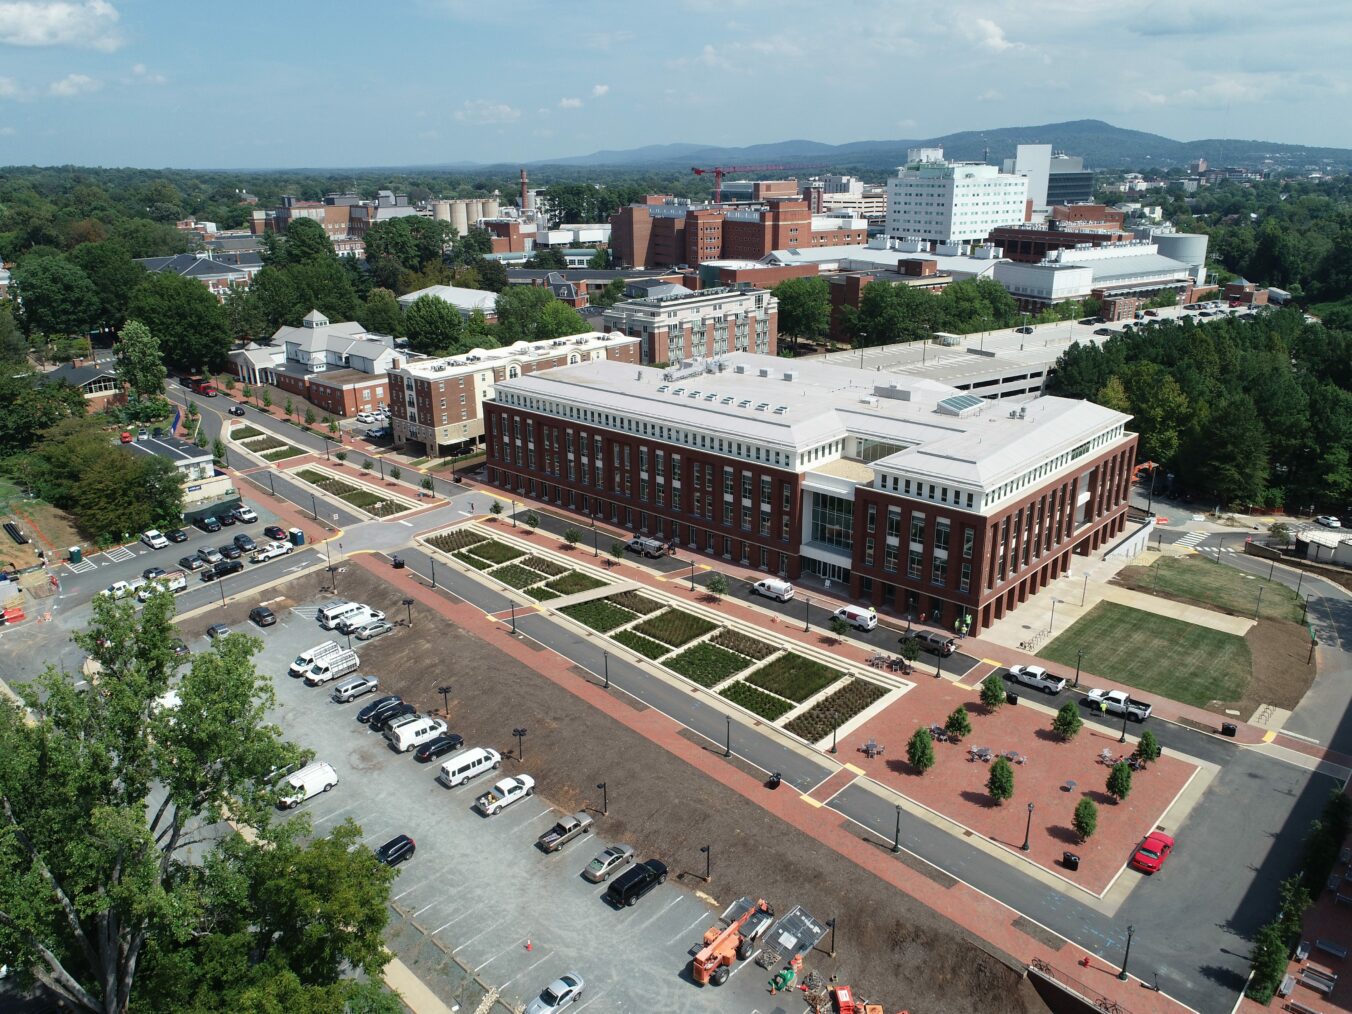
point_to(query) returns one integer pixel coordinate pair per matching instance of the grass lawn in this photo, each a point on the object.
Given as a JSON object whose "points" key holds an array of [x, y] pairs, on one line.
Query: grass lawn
{"points": [[768, 706], [707, 664], [674, 627], [283, 452], [599, 615], [573, 583], [1202, 581], [1157, 654], [793, 676], [496, 552]]}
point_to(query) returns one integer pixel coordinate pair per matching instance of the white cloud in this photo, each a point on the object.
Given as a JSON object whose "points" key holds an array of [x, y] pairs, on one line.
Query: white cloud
{"points": [[8, 88], [141, 73], [570, 103], [990, 35], [7, 131], [74, 84], [599, 90], [90, 25], [482, 111], [990, 95]]}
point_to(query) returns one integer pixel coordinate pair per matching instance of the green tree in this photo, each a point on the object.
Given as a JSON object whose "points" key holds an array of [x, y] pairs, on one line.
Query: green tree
{"points": [[1085, 820], [838, 626], [139, 364], [383, 314], [13, 346], [920, 750], [958, 724], [367, 464], [1160, 408], [1269, 958], [548, 259], [717, 585], [1067, 722], [1148, 749], [600, 260], [185, 318], [572, 536], [427, 483], [993, 692], [410, 243], [267, 397], [218, 449], [113, 273], [804, 308], [290, 408], [247, 391], [492, 275], [434, 326], [616, 551], [1233, 452], [340, 455], [1281, 532], [54, 296], [1114, 396], [244, 314], [1119, 781], [910, 649], [530, 313], [496, 508], [304, 240], [610, 295], [1000, 782], [310, 416]]}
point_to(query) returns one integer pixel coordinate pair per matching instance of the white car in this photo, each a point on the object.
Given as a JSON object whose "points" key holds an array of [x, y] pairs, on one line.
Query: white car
{"points": [[1328, 521], [1038, 678], [365, 417], [154, 539], [563, 992], [270, 550], [117, 590]]}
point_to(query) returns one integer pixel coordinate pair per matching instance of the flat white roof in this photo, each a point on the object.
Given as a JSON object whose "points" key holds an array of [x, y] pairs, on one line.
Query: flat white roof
{"points": [[464, 299], [486, 359]]}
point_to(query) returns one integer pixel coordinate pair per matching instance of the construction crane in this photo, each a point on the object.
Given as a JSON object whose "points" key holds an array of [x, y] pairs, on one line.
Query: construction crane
{"points": [[731, 938], [720, 171]]}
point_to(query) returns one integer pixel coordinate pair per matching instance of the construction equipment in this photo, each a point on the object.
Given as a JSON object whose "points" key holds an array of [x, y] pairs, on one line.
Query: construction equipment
{"points": [[731, 939], [719, 171]]}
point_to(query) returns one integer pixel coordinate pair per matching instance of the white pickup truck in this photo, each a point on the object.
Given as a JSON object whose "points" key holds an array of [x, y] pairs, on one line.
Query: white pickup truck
{"points": [[1117, 703], [505, 793], [1038, 678], [271, 549]]}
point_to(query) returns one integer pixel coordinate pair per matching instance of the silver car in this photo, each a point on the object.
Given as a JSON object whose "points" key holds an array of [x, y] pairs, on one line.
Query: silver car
{"points": [[563, 992], [353, 687], [608, 861], [373, 629]]}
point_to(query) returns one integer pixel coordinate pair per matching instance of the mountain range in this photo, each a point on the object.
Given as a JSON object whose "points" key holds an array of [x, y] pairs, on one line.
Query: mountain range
{"points": [[1102, 145]]}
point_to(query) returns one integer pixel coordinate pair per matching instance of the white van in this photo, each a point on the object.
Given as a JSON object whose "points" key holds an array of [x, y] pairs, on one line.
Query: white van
{"points": [[406, 737], [331, 668], [174, 581], [306, 659], [773, 588], [857, 617], [467, 765], [331, 614], [309, 781], [353, 622]]}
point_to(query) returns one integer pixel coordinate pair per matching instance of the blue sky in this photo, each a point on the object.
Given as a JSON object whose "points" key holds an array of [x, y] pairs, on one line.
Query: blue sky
{"points": [[339, 83]]}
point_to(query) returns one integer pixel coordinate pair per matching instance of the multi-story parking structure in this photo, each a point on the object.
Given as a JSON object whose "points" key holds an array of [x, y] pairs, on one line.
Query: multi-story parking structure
{"points": [[922, 498]]}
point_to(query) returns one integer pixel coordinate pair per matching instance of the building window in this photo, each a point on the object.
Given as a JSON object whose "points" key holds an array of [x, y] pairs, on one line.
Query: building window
{"points": [[868, 552], [941, 531], [872, 517], [917, 529], [968, 541], [832, 521], [939, 570], [965, 578]]}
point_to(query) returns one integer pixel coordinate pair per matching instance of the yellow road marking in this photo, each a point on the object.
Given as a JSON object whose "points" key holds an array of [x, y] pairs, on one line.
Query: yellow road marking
{"points": [[1269, 736], [855, 770], [811, 802], [991, 661]]}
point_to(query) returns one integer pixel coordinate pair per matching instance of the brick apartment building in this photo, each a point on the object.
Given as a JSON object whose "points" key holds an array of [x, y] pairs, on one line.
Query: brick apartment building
{"points": [[681, 324], [438, 403], [661, 233], [923, 500]]}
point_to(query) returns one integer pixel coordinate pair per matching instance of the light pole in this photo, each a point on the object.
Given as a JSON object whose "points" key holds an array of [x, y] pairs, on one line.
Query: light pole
{"points": [[513, 602], [1131, 930], [434, 570], [832, 924], [708, 851], [596, 551], [313, 508], [270, 487], [605, 799], [807, 612], [896, 838], [692, 575], [1079, 658], [1123, 738], [1052, 623], [1028, 830], [1259, 607], [513, 513], [220, 582], [326, 446], [605, 660], [408, 609], [727, 742], [835, 728], [381, 460], [520, 735], [445, 692]]}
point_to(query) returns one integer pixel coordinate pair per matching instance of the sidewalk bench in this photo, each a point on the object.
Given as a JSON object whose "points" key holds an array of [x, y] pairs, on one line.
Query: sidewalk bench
{"points": [[1343, 899], [1329, 947], [1318, 981], [1303, 951], [1299, 1008], [1288, 984]]}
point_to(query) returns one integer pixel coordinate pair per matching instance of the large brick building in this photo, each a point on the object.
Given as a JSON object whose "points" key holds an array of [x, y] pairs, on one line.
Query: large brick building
{"points": [[922, 499], [661, 232], [682, 324], [437, 403]]}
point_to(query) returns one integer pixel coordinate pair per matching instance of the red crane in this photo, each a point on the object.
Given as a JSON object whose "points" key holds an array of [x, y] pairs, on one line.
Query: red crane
{"points": [[720, 171]]}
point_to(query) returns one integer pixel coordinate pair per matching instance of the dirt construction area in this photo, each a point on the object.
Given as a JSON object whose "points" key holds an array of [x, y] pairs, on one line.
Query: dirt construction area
{"points": [[890, 948]]}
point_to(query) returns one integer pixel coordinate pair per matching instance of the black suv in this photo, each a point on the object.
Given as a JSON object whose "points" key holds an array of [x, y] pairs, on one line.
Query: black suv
{"points": [[263, 616], [396, 850], [389, 713], [627, 888], [245, 544], [208, 524], [222, 569], [366, 713]]}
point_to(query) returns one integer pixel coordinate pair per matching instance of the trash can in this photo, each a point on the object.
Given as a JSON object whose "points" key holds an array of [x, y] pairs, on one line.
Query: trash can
{"points": [[1070, 861], [399, 563], [1011, 697], [1229, 728], [297, 537], [76, 555]]}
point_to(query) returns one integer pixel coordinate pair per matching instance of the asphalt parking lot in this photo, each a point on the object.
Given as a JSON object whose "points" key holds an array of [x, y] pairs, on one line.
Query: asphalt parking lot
{"points": [[479, 885]]}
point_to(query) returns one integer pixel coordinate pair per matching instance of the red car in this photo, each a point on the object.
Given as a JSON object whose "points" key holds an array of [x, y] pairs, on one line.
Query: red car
{"points": [[1152, 852]]}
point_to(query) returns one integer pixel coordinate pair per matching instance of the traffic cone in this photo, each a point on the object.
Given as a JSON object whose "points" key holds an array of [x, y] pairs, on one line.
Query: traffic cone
{"points": [[528, 946]]}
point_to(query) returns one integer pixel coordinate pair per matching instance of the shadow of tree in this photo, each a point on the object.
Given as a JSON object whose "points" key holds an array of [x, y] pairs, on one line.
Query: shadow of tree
{"points": [[981, 799], [1065, 835]]}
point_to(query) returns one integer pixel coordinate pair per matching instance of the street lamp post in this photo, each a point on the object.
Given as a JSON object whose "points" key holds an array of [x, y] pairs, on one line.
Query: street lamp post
{"points": [[221, 584], [1123, 738], [326, 446], [596, 551], [445, 691], [513, 603], [513, 513], [270, 486], [314, 509], [1131, 930], [835, 728], [807, 612], [692, 575], [605, 660], [1028, 830], [1051, 625], [520, 735], [896, 838], [605, 799], [408, 609], [434, 570], [832, 924], [1259, 607], [727, 742], [1079, 658], [382, 467], [708, 851]]}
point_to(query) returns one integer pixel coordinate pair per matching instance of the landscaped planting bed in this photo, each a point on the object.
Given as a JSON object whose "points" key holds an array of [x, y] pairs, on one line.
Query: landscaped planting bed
{"points": [[385, 508], [817, 721], [768, 706], [674, 627], [540, 593], [793, 676], [449, 542], [372, 503], [599, 615], [645, 646], [266, 443], [707, 664], [473, 561], [496, 552], [572, 583], [516, 576], [244, 433], [640, 604], [743, 644], [546, 567], [283, 452]]}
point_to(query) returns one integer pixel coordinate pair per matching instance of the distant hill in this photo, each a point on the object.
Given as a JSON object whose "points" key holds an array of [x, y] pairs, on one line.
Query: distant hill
{"points": [[1103, 146]]}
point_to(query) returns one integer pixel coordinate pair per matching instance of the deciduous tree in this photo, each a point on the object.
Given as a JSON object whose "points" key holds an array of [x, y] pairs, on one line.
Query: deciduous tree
{"points": [[139, 363], [1000, 782], [185, 318], [920, 750]]}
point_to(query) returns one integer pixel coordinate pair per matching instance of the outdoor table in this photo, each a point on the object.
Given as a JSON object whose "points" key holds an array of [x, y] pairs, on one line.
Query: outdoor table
{"points": [[1069, 786]]}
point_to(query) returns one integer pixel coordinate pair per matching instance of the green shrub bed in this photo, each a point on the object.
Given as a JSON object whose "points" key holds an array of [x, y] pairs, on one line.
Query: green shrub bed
{"points": [[516, 576], [817, 721], [496, 552], [645, 646], [282, 452], [546, 567], [793, 676], [449, 542], [674, 627], [707, 664], [599, 615], [473, 561], [244, 433], [266, 443], [768, 706], [572, 583], [743, 644], [640, 604], [541, 594]]}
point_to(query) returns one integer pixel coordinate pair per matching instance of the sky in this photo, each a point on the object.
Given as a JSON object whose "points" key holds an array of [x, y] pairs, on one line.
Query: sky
{"points": [[304, 83]]}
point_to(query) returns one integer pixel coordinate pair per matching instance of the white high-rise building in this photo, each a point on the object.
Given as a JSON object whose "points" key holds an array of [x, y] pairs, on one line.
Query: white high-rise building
{"points": [[1035, 162], [953, 202]]}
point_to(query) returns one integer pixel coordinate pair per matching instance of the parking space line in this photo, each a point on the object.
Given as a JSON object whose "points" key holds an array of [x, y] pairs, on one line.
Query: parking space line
{"points": [[742, 964], [481, 932], [642, 926], [542, 813], [683, 932], [329, 816], [523, 972], [587, 1003], [455, 920], [421, 883], [516, 943], [431, 904]]}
